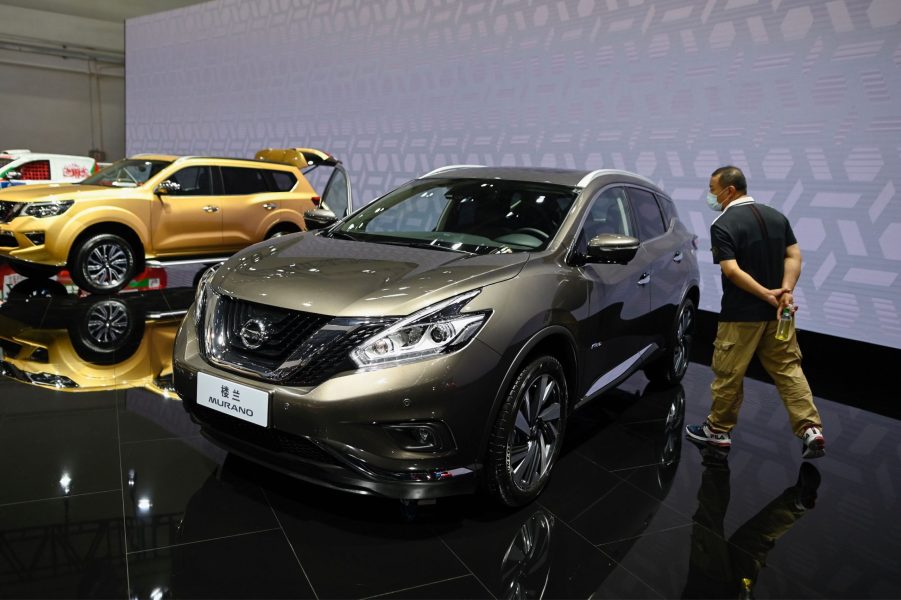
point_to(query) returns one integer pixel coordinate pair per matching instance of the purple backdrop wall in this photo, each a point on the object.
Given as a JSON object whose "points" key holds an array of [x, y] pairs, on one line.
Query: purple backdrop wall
{"points": [[803, 95]]}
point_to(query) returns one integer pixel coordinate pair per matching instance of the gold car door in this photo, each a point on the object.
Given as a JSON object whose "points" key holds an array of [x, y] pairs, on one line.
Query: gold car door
{"points": [[186, 215]]}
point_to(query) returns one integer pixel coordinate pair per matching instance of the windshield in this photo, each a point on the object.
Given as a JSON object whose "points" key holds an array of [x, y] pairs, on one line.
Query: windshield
{"points": [[127, 173], [465, 215]]}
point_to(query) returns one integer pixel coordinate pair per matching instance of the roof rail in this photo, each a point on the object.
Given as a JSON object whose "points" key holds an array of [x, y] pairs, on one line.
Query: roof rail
{"points": [[449, 168], [600, 172]]}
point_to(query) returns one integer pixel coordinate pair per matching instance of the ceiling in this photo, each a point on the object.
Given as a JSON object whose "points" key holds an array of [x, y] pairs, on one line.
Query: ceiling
{"points": [[105, 10]]}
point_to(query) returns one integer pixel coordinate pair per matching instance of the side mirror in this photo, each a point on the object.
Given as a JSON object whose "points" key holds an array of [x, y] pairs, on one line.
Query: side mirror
{"points": [[167, 187], [319, 218], [12, 175], [612, 248]]}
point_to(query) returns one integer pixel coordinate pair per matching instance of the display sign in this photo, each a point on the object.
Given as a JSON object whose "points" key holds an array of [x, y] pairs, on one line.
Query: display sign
{"points": [[235, 399]]}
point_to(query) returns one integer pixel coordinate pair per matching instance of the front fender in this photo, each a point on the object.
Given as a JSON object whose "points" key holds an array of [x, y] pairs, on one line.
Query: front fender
{"points": [[60, 242]]}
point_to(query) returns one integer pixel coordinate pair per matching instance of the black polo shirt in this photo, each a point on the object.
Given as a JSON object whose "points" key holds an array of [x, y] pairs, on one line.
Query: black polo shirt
{"points": [[756, 236]]}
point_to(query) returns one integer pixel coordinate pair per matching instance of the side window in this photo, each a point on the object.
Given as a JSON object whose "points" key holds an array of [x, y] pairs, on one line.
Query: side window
{"points": [[282, 181], [194, 181], [668, 209], [36, 170], [650, 221], [609, 214], [239, 181]]}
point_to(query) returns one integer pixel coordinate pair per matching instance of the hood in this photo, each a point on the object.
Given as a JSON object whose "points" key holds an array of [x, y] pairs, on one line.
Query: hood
{"points": [[57, 191], [314, 273]]}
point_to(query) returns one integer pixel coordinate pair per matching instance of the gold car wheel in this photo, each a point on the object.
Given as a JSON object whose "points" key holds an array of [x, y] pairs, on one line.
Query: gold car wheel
{"points": [[107, 265]]}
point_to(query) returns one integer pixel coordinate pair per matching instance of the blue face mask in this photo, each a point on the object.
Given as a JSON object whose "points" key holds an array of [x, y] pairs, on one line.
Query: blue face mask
{"points": [[713, 202]]}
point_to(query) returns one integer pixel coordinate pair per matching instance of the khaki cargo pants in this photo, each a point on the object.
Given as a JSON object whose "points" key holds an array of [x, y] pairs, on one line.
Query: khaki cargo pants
{"points": [[735, 344]]}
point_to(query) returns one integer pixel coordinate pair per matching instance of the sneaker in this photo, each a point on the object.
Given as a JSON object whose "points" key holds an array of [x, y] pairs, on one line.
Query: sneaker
{"points": [[805, 489], [814, 444], [703, 433]]}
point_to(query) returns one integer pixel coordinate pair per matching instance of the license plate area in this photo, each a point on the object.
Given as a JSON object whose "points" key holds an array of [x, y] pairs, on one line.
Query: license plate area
{"points": [[235, 399]]}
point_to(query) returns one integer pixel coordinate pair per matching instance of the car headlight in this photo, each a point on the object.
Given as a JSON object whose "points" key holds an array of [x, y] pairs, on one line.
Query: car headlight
{"points": [[434, 330], [47, 209], [200, 292]]}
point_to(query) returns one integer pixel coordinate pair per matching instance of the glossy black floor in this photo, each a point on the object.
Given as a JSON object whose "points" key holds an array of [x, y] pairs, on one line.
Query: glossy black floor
{"points": [[109, 491]]}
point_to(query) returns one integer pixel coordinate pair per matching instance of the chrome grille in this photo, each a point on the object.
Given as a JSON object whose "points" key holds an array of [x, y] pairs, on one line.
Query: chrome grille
{"points": [[285, 328], [297, 348], [9, 210]]}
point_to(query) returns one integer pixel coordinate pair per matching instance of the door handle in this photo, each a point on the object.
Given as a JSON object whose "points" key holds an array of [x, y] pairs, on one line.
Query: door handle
{"points": [[269, 206], [645, 279], [210, 209], [677, 257]]}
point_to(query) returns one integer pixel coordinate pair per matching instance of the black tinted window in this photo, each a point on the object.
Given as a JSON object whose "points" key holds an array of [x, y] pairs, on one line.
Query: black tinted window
{"points": [[193, 181], [240, 181], [282, 181], [650, 221]]}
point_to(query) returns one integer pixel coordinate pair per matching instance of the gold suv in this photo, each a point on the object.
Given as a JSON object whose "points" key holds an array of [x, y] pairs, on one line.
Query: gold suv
{"points": [[154, 209]]}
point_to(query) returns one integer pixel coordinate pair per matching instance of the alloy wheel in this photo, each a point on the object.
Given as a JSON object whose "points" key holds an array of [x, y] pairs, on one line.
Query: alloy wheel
{"points": [[535, 435], [107, 322], [683, 340], [107, 265]]}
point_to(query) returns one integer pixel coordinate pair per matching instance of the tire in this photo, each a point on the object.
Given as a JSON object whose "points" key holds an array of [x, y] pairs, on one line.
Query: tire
{"points": [[669, 368], [106, 331], [524, 432], [103, 264], [33, 271]]}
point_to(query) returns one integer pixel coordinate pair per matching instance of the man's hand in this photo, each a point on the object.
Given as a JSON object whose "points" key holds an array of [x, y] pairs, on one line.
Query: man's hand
{"points": [[786, 299], [774, 297]]}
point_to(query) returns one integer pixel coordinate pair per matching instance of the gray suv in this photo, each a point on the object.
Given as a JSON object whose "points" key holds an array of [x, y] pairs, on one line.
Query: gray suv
{"points": [[436, 340]]}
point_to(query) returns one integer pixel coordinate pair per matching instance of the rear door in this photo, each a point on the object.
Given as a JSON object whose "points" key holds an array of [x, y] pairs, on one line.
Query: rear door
{"points": [[246, 201], [666, 262], [188, 220]]}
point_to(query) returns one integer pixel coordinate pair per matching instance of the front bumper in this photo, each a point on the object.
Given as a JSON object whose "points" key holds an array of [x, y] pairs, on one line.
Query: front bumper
{"points": [[334, 434], [18, 243]]}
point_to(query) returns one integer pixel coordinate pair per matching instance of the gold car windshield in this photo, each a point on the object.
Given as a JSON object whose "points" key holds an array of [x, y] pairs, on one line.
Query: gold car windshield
{"points": [[466, 215], [127, 173]]}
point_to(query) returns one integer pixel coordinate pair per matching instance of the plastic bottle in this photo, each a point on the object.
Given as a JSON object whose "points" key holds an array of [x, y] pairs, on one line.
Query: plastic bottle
{"points": [[784, 328]]}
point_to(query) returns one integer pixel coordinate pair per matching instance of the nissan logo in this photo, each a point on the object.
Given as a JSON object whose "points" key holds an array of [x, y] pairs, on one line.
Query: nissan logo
{"points": [[253, 333]]}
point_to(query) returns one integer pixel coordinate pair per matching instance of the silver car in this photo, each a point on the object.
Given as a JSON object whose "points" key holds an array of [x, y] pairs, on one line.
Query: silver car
{"points": [[435, 341]]}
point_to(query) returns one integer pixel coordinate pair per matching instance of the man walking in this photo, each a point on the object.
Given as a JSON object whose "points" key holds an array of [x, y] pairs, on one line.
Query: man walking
{"points": [[761, 262]]}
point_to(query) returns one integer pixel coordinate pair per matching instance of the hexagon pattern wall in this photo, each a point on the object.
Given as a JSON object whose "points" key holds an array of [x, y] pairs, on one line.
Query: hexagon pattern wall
{"points": [[803, 95]]}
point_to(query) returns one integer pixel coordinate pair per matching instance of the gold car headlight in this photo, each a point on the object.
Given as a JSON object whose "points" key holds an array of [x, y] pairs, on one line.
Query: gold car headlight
{"points": [[47, 209]]}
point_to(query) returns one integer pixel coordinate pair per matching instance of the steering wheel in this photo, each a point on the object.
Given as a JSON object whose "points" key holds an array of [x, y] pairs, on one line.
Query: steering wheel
{"points": [[534, 232]]}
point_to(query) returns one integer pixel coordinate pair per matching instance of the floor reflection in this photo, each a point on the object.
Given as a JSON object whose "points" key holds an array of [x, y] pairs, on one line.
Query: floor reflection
{"points": [[721, 567], [53, 338], [113, 492]]}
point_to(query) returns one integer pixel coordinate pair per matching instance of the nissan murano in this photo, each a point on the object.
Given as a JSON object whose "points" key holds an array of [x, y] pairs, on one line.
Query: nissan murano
{"points": [[435, 341]]}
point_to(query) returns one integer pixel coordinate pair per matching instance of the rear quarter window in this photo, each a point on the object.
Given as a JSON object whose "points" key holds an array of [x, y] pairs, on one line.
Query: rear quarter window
{"points": [[668, 208], [282, 181]]}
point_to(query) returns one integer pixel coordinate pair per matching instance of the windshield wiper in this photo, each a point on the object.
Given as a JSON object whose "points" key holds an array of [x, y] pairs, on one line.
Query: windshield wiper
{"points": [[418, 244], [342, 235]]}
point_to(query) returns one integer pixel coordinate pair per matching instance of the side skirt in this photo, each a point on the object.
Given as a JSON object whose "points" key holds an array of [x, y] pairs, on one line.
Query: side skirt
{"points": [[617, 374]]}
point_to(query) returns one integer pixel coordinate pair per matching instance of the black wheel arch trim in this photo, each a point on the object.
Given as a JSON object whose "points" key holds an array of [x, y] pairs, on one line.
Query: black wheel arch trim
{"points": [[513, 369]]}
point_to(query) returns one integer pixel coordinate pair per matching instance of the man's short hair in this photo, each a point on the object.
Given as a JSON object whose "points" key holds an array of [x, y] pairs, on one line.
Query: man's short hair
{"points": [[733, 176]]}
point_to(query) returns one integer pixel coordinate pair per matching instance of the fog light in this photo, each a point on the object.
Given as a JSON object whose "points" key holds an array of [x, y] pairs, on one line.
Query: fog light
{"points": [[35, 237], [421, 437]]}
